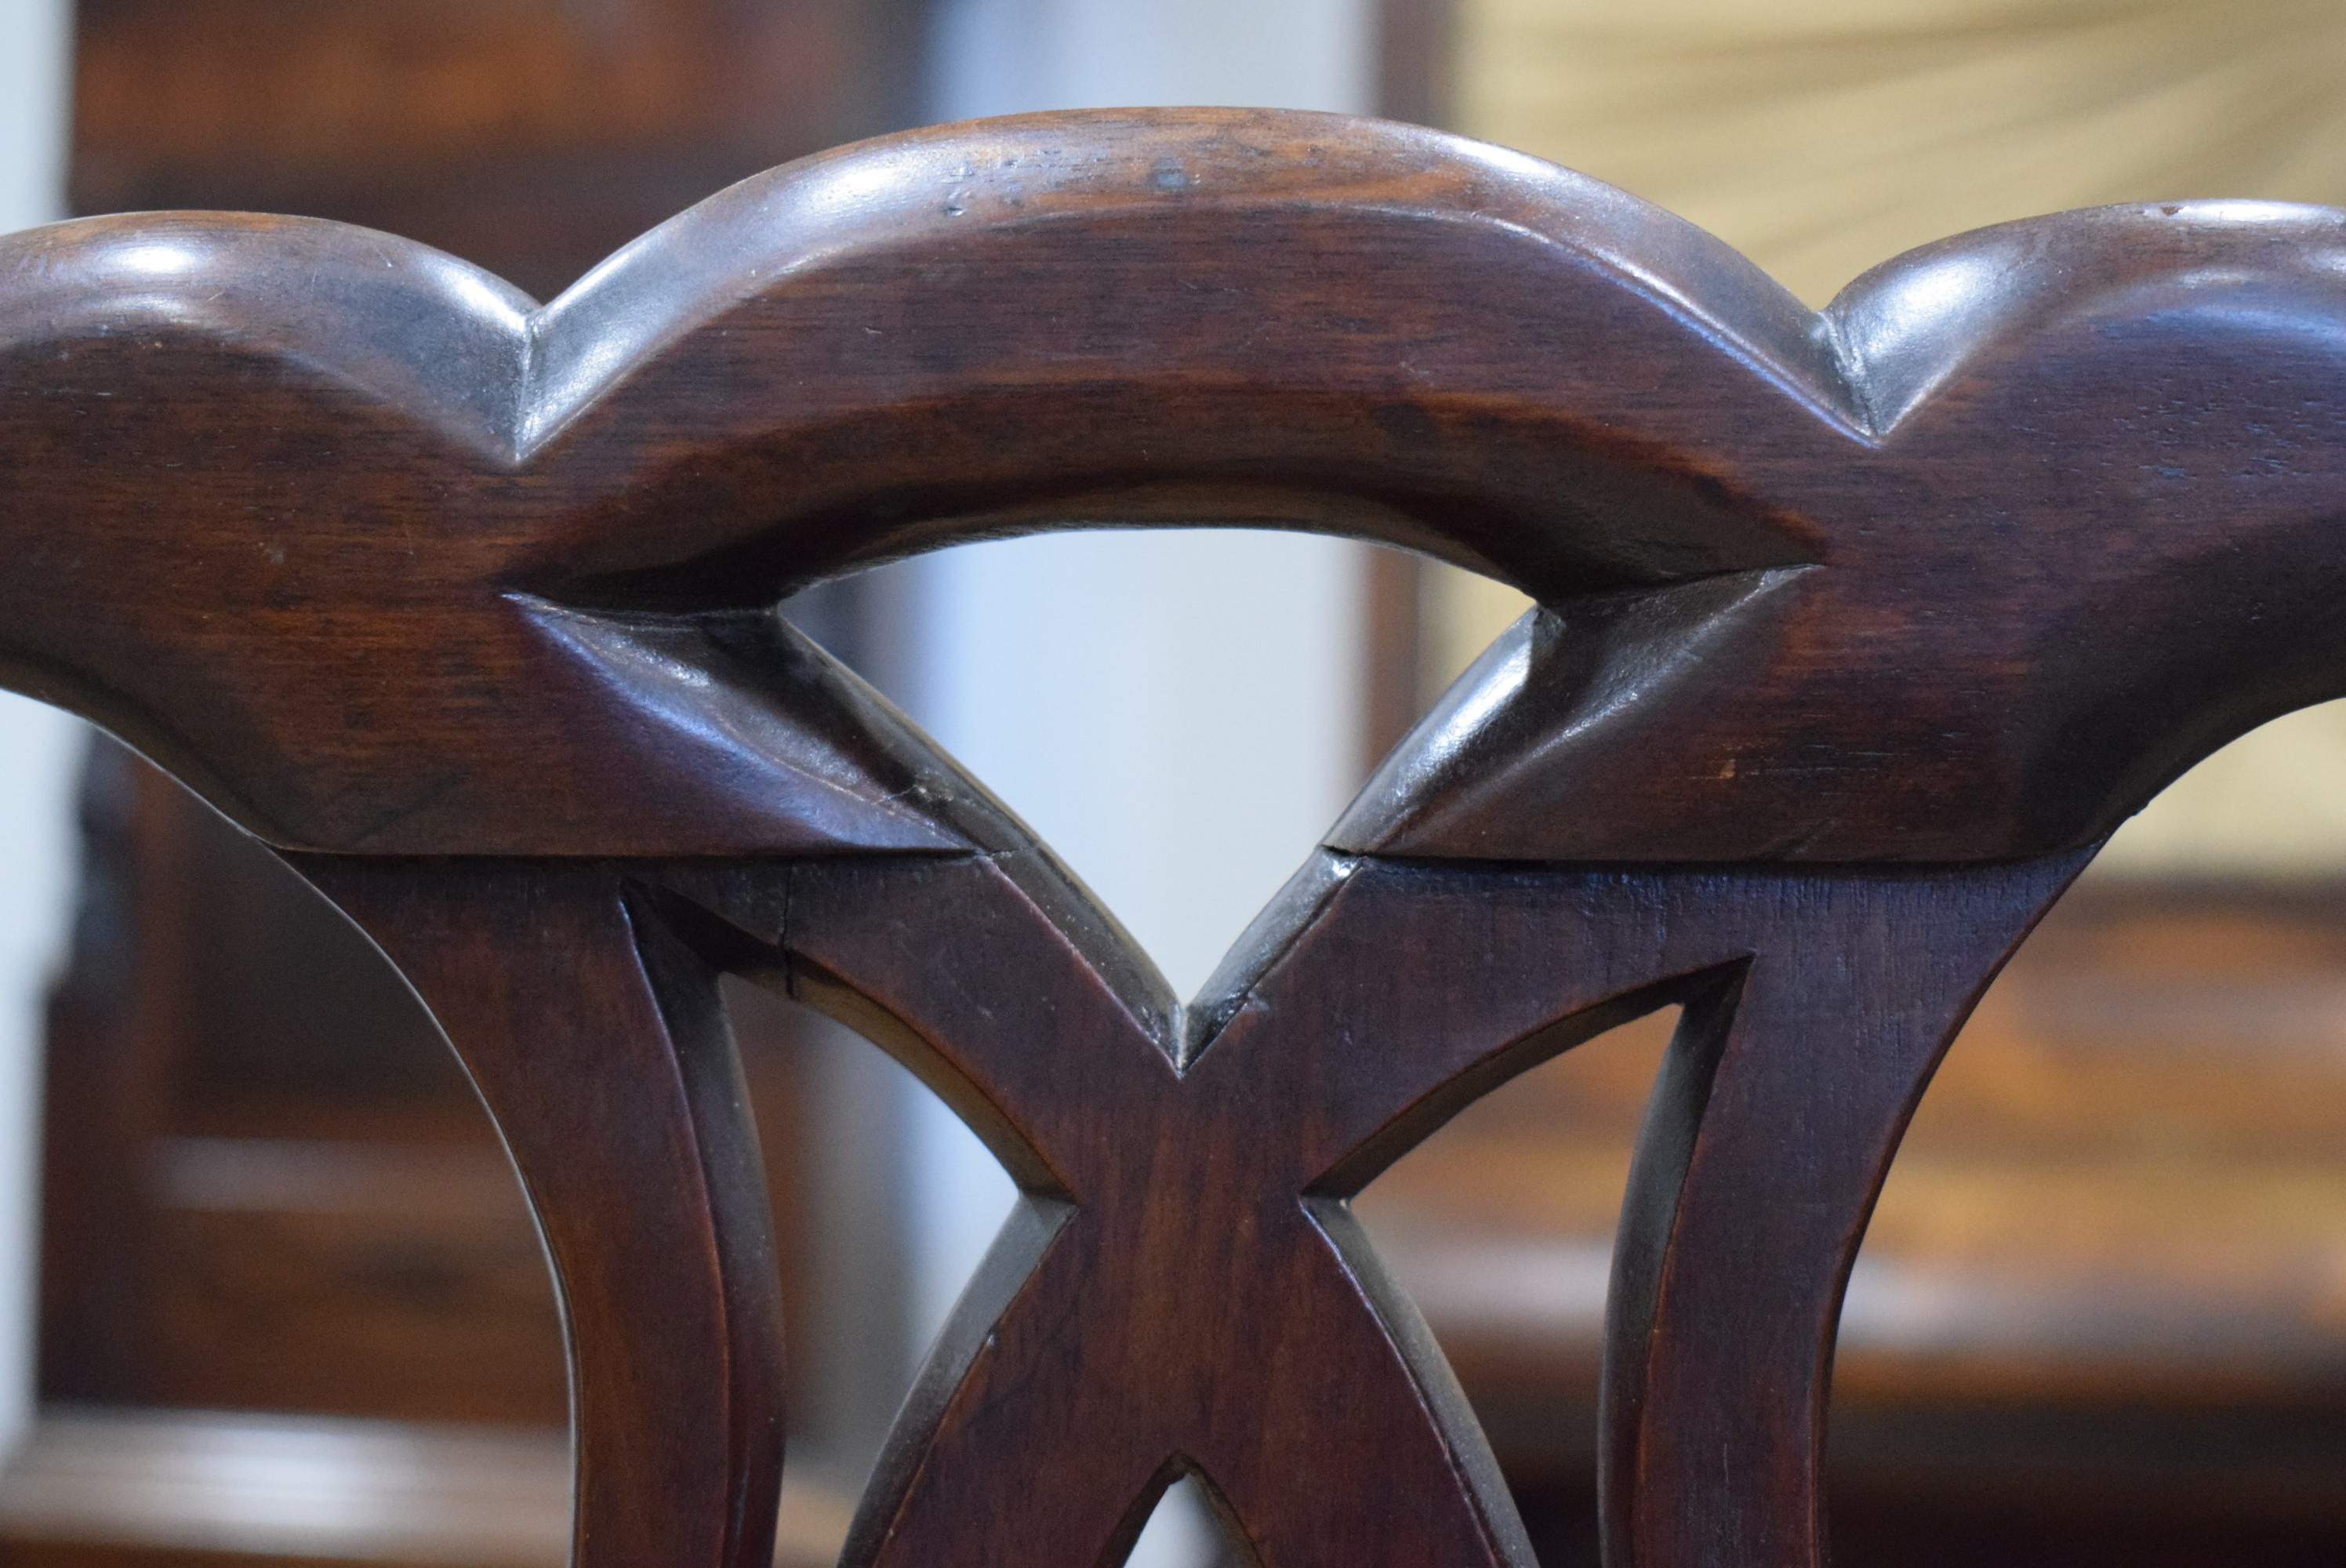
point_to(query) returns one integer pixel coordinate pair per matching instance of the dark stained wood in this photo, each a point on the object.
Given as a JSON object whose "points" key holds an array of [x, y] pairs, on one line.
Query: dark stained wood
{"points": [[2089, 1307], [1732, 1257], [303, 1214], [1858, 631], [1415, 67], [596, 1041], [1240, 316], [270, 1185], [1320, 1057]]}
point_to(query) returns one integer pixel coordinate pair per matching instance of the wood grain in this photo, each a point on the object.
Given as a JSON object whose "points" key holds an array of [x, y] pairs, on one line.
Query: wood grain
{"points": [[1373, 1001], [447, 498], [596, 1038], [1857, 632]]}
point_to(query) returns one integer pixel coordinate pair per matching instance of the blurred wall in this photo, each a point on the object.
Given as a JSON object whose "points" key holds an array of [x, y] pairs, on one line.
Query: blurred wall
{"points": [[1010, 56], [1822, 136], [40, 748]]}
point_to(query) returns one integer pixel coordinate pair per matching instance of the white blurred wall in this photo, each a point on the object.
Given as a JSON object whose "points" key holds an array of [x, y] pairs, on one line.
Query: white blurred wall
{"points": [[1010, 56], [1178, 713], [40, 749]]}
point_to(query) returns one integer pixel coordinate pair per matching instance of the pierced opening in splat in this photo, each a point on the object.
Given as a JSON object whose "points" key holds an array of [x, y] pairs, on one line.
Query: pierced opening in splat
{"points": [[1184, 1529], [1500, 1227], [1182, 742], [1175, 713]]}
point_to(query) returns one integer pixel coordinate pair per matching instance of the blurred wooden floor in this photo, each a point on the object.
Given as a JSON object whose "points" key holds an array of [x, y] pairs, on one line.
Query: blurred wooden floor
{"points": [[147, 1489]]}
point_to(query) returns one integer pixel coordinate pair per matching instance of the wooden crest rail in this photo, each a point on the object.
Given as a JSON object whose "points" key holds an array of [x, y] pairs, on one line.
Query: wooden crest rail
{"points": [[1858, 631]]}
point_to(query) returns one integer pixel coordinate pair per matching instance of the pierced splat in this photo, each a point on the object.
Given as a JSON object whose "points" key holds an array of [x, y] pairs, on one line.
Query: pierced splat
{"points": [[1184, 1278], [1858, 631]]}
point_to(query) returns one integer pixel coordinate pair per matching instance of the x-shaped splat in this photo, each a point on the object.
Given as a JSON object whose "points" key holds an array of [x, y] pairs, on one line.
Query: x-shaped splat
{"points": [[1183, 1288], [1895, 585]]}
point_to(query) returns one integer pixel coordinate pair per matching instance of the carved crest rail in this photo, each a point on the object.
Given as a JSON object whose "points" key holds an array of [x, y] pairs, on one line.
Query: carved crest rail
{"points": [[1857, 632]]}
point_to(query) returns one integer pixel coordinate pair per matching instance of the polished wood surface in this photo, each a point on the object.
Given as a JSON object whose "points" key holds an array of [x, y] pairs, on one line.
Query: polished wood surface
{"points": [[1856, 632], [2095, 1315], [1768, 487], [271, 1187]]}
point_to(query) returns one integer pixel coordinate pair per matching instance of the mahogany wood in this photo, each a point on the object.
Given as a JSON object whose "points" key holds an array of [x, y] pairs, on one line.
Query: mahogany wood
{"points": [[1858, 631], [1189, 315], [596, 1040], [271, 1272], [1371, 1003]]}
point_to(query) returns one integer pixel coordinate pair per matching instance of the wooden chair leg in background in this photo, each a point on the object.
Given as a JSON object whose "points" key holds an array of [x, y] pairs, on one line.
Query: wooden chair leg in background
{"points": [[598, 1040]]}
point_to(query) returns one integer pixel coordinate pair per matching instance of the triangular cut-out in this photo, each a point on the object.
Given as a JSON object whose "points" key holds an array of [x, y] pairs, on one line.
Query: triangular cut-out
{"points": [[1186, 1530], [901, 1202], [1500, 1227], [1182, 750]]}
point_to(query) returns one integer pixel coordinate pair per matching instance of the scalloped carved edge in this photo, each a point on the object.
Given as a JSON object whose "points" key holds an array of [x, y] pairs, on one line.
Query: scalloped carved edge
{"points": [[2064, 487]]}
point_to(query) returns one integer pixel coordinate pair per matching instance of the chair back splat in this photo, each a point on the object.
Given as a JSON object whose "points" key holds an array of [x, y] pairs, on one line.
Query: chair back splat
{"points": [[1857, 632]]}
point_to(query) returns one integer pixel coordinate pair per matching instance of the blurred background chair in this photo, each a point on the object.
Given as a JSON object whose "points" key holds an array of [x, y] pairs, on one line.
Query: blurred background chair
{"points": [[292, 1307]]}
